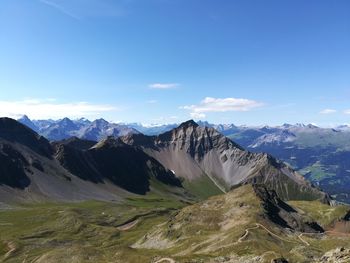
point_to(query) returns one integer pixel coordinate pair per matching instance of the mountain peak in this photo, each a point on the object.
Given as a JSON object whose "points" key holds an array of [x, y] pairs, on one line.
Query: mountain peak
{"points": [[27, 122], [189, 123], [109, 142]]}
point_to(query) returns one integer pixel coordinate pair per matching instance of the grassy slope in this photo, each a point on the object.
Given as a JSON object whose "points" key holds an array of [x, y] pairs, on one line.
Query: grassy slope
{"points": [[321, 213], [202, 187], [88, 231], [214, 227], [79, 232]]}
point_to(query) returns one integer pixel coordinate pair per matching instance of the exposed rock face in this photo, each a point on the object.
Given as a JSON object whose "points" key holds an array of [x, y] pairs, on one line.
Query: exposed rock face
{"points": [[192, 152]]}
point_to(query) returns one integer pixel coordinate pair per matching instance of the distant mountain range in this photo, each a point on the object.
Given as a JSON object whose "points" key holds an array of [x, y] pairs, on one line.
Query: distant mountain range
{"points": [[55, 130], [321, 154]]}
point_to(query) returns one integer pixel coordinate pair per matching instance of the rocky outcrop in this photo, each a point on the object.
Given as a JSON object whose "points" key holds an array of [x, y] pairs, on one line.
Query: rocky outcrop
{"points": [[339, 255]]}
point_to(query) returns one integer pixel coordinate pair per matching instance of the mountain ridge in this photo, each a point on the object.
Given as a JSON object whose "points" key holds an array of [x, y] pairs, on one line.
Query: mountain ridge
{"points": [[73, 169]]}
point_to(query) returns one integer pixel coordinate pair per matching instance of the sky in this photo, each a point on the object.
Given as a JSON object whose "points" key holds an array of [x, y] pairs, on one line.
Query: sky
{"points": [[246, 62]]}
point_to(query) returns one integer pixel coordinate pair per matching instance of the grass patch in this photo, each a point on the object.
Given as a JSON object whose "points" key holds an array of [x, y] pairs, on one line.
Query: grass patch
{"points": [[321, 213], [202, 187]]}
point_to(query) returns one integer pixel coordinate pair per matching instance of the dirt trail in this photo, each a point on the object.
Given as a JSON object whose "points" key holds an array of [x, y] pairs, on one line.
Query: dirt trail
{"points": [[303, 240], [170, 260], [257, 225], [246, 233], [273, 234], [128, 226], [12, 248]]}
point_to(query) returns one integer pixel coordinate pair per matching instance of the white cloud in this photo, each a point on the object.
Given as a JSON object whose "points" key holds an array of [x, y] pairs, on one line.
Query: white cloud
{"points": [[152, 101], [163, 85], [221, 105], [328, 111], [44, 109], [347, 111]]}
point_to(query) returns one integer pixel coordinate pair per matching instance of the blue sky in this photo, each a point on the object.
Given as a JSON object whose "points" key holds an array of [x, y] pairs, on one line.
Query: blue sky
{"points": [[164, 61]]}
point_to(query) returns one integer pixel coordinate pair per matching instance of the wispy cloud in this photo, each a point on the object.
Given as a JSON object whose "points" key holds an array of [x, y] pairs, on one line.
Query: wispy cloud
{"points": [[151, 101], [328, 111], [60, 8], [88, 8], [221, 105], [44, 109], [347, 111], [163, 85]]}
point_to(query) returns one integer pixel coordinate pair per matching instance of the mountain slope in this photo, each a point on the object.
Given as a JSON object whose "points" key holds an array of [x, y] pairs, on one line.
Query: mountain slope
{"points": [[32, 169], [124, 165], [194, 152]]}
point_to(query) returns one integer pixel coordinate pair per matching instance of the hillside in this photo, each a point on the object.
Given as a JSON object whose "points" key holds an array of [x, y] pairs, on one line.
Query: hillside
{"points": [[248, 224]]}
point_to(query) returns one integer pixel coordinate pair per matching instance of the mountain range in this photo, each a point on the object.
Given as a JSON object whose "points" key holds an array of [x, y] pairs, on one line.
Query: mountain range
{"points": [[320, 154], [190, 194], [198, 159]]}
